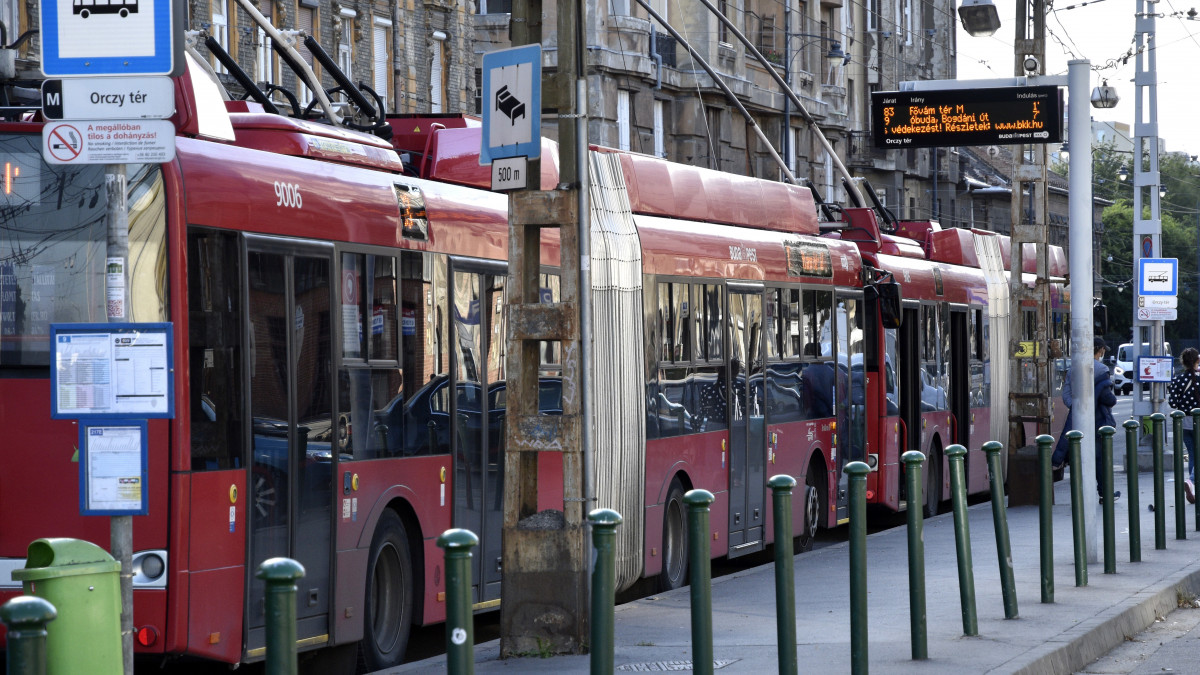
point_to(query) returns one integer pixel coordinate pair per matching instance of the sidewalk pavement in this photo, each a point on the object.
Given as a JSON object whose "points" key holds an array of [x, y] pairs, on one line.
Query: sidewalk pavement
{"points": [[1084, 623]]}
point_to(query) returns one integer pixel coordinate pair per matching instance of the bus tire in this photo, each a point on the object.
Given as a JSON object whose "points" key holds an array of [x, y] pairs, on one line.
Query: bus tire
{"points": [[811, 515], [124, 13], [387, 618], [933, 483], [674, 544], [83, 14]]}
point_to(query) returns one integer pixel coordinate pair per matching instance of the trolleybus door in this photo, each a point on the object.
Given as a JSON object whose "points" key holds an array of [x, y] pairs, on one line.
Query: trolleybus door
{"points": [[960, 401], [851, 382], [478, 411], [909, 362], [747, 433], [291, 381]]}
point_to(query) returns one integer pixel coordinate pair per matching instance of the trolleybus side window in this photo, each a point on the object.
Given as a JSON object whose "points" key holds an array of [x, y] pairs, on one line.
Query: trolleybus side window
{"points": [[978, 389], [784, 398], [370, 382], [215, 349], [52, 252], [689, 397], [935, 344]]}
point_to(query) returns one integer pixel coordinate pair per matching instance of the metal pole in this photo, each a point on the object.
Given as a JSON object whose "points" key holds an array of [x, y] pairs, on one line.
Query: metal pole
{"points": [[1008, 585], [1045, 444], [1195, 412], [118, 311], [913, 460], [698, 503], [1080, 267], [785, 578], [1110, 530], [857, 471], [1160, 501], [1073, 438], [281, 575], [460, 623], [1180, 508], [962, 538], [1131, 486], [26, 617], [604, 579]]}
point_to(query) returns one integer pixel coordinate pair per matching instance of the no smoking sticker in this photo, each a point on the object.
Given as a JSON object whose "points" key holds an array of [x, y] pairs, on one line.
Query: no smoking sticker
{"points": [[64, 142]]}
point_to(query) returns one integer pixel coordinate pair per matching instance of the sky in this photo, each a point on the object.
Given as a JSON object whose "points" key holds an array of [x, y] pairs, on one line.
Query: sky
{"points": [[1102, 31]]}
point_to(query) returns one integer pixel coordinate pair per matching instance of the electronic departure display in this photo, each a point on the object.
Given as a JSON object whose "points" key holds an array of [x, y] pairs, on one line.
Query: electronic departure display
{"points": [[947, 117]]}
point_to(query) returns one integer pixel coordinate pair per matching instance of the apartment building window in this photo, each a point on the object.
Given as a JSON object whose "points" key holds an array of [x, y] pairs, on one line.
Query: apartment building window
{"points": [[495, 6], [712, 118], [623, 120], [722, 31], [264, 61], [381, 57], [305, 21], [220, 29], [660, 146], [346, 42], [873, 15], [795, 158], [908, 27], [437, 68]]}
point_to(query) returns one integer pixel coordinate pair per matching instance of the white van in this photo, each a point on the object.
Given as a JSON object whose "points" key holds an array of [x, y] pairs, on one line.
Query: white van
{"points": [[1122, 375]]}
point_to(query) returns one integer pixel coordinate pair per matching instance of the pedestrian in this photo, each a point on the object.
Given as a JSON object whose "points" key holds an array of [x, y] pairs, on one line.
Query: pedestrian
{"points": [[1184, 394], [1104, 401]]}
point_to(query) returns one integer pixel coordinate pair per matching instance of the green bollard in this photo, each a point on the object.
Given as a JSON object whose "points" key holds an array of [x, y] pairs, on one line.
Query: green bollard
{"points": [[604, 581], [916, 555], [1110, 527], [1196, 444], [1008, 585], [1160, 506], [26, 617], [962, 538], [857, 471], [1180, 510], [1131, 485], [460, 622], [281, 575], [1077, 525], [785, 578], [698, 502], [1045, 444]]}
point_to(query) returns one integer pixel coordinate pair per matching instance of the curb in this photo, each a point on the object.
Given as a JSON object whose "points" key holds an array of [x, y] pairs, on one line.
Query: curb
{"points": [[1093, 639]]}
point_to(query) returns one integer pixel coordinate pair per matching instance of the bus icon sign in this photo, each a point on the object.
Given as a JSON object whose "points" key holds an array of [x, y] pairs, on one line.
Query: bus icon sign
{"points": [[1158, 276], [84, 38]]}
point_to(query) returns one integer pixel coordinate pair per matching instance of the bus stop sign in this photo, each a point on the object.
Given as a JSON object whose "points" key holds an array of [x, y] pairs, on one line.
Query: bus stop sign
{"points": [[83, 38]]}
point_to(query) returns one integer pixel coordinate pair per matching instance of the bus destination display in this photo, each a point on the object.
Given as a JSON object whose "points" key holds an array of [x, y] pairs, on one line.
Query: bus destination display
{"points": [[949, 117]]}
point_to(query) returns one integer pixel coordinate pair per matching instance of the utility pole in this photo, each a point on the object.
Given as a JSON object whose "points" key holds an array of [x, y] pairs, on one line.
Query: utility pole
{"points": [[1029, 375], [1147, 232], [545, 555]]}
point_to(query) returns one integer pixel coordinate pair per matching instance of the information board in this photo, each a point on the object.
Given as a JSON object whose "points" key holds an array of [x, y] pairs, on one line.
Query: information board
{"points": [[113, 468], [949, 117], [112, 370], [1154, 369]]}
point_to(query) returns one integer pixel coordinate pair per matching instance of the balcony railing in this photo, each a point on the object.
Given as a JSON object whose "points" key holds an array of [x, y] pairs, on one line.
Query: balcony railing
{"points": [[664, 46]]}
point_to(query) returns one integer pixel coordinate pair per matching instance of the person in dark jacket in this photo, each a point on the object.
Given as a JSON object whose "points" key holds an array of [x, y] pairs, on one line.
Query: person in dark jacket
{"points": [[1104, 401], [1184, 394]]}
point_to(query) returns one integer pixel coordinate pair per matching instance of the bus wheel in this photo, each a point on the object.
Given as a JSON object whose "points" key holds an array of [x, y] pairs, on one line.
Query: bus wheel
{"points": [[124, 13], [83, 14], [674, 545], [387, 620], [933, 483], [812, 516]]}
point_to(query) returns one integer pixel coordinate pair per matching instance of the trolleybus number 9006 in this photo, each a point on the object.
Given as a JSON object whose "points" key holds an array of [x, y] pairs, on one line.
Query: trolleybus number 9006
{"points": [[288, 194]]}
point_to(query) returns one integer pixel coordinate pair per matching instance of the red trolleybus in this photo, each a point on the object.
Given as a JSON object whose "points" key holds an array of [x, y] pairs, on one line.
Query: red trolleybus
{"points": [[339, 363]]}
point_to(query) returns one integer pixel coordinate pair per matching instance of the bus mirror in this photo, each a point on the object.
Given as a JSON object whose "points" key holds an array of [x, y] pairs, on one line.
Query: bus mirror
{"points": [[887, 295]]}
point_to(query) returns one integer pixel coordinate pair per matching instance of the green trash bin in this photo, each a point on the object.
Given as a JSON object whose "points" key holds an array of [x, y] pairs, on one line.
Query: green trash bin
{"points": [[83, 583]]}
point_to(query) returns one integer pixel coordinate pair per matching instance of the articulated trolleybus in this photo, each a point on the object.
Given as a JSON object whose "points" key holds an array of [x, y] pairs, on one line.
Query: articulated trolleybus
{"points": [[339, 363]]}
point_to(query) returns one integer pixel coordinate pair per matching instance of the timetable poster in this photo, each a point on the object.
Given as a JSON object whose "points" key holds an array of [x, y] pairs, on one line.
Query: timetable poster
{"points": [[112, 370], [112, 467]]}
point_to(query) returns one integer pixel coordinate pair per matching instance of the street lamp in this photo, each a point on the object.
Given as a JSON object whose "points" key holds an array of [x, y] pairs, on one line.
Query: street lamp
{"points": [[1105, 96], [979, 17], [1123, 172]]}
